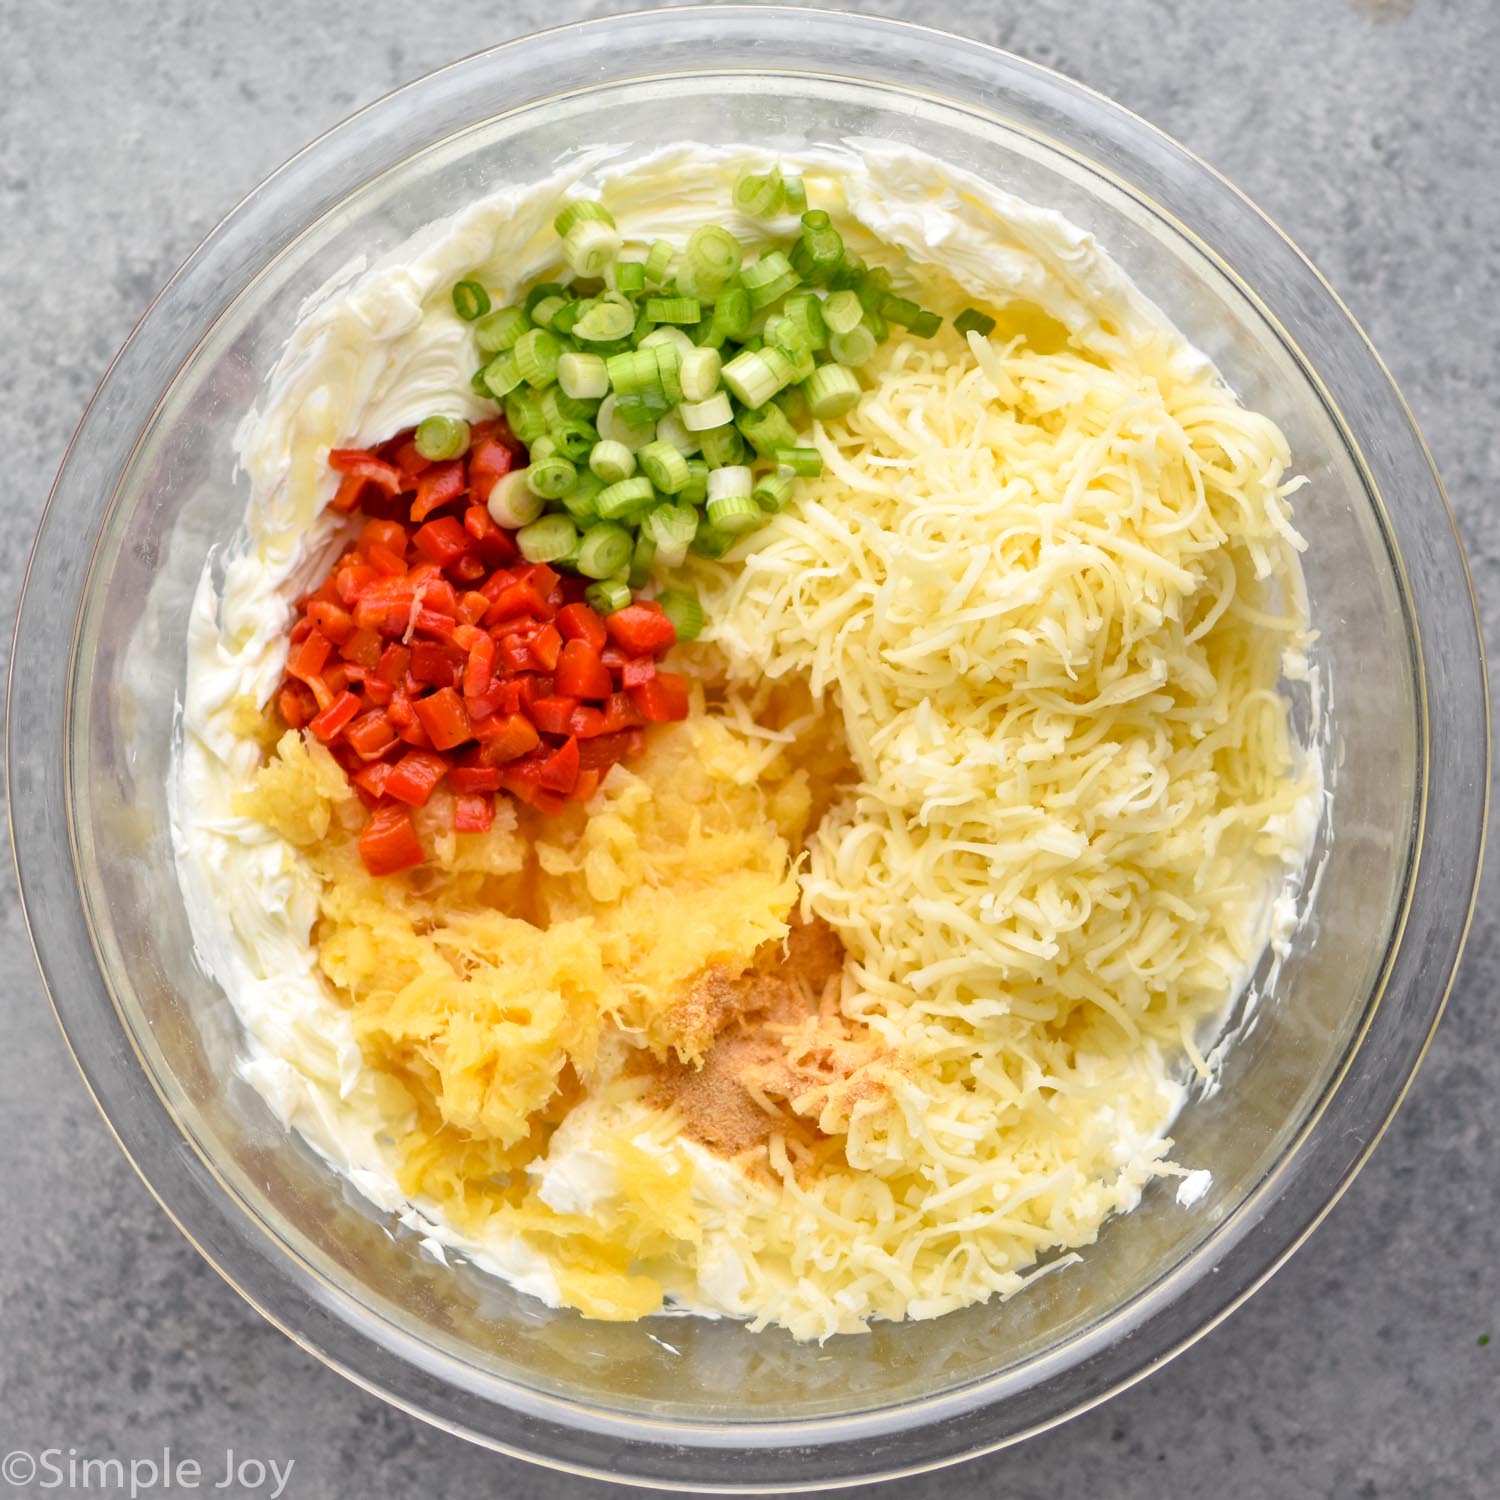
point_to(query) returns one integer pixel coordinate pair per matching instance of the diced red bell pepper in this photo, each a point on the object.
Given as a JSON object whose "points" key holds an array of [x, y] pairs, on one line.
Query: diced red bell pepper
{"points": [[518, 598], [580, 623], [353, 580], [402, 451], [371, 735], [443, 541], [296, 704], [601, 753], [620, 713], [333, 718], [585, 787], [310, 656], [489, 462], [389, 842], [414, 776], [332, 620], [442, 483], [388, 534], [480, 666], [560, 771], [372, 778], [435, 663], [640, 631], [443, 716], [587, 723], [637, 672], [468, 569], [470, 779], [473, 812], [385, 562], [663, 700], [507, 738], [546, 646], [366, 466], [495, 546], [471, 606], [580, 673], [551, 714]]}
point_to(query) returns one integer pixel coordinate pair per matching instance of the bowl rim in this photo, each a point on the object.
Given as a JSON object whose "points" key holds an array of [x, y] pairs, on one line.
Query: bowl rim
{"points": [[172, 1188]]}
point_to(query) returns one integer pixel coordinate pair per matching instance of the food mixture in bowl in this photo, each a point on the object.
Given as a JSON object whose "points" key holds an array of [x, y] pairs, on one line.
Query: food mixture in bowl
{"points": [[741, 753]]}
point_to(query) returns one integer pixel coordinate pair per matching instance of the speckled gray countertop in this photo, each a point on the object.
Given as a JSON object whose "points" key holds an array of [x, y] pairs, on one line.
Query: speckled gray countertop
{"points": [[1370, 129]]}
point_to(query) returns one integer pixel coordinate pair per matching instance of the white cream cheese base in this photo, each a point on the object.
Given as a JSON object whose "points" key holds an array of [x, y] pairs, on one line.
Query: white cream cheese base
{"points": [[377, 350]]}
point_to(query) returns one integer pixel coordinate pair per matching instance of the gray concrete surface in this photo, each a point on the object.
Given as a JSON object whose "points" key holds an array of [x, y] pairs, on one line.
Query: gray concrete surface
{"points": [[1369, 129]]}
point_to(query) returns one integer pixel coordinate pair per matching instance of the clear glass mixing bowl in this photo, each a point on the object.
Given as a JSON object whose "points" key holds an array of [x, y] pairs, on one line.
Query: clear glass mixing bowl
{"points": [[147, 487]]}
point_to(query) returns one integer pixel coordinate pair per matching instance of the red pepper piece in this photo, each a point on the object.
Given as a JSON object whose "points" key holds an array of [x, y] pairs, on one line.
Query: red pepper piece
{"points": [[309, 658], [363, 648], [366, 466], [479, 667], [640, 631], [663, 700], [296, 704], [414, 776], [443, 541], [496, 547], [435, 664], [585, 787], [560, 771], [546, 647], [470, 779], [468, 569], [587, 723], [471, 606], [580, 673], [600, 754], [389, 842], [371, 735], [489, 461], [394, 660], [402, 451], [551, 714], [507, 738], [434, 623], [443, 716], [473, 812], [388, 534], [637, 672], [372, 778], [385, 562], [620, 713], [440, 484], [333, 718], [353, 581], [332, 619], [580, 623], [517, 598]]}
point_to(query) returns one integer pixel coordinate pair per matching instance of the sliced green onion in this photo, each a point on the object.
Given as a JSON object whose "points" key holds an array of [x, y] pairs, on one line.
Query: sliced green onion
{"points": [[440, 438], [513, 502], [794, 404], [659, 261], [580, 501], [759, 194], [766, 429], [500, 330], [794, 191], [546, 310], [575, 439], [605, 322], [664, 466], [669, 335], [685, 613], [971, 320], [772, 491], [502, 375], [642, 560], [585, 377], [925, 324], [670, 428], [831, 392], [547, 539], [668, 371], [699, 373], [608, 595], [728, 482], [523, 412], [695, 492], [565, 320], [787, 365], [605, 550], [541, 291], [850, 272], [630, 277], [733, 514], [673, 309], [722, 445], [804, 311], [700, 416], [633, 372], [470, 300], [578, 211], [842, 311], [551, 474], [642, 410], [819, 251], [626, 496], [768, 278], [671, 528], [751, 379], [612, 425], [558, 406], [536, 354], [589, 246], [714, 256], [477, 385], [854, 347], [806, 462], [873, 287], [612, 461], [709, 541], [900, 310], [733, 311]]}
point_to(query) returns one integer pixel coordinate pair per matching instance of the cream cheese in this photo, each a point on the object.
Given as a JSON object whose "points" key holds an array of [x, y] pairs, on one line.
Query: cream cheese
{"points": [[377, 350]]}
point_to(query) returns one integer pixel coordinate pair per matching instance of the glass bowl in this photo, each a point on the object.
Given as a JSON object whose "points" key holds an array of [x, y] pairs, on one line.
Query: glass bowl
{"points": [[1325, 1050]]}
